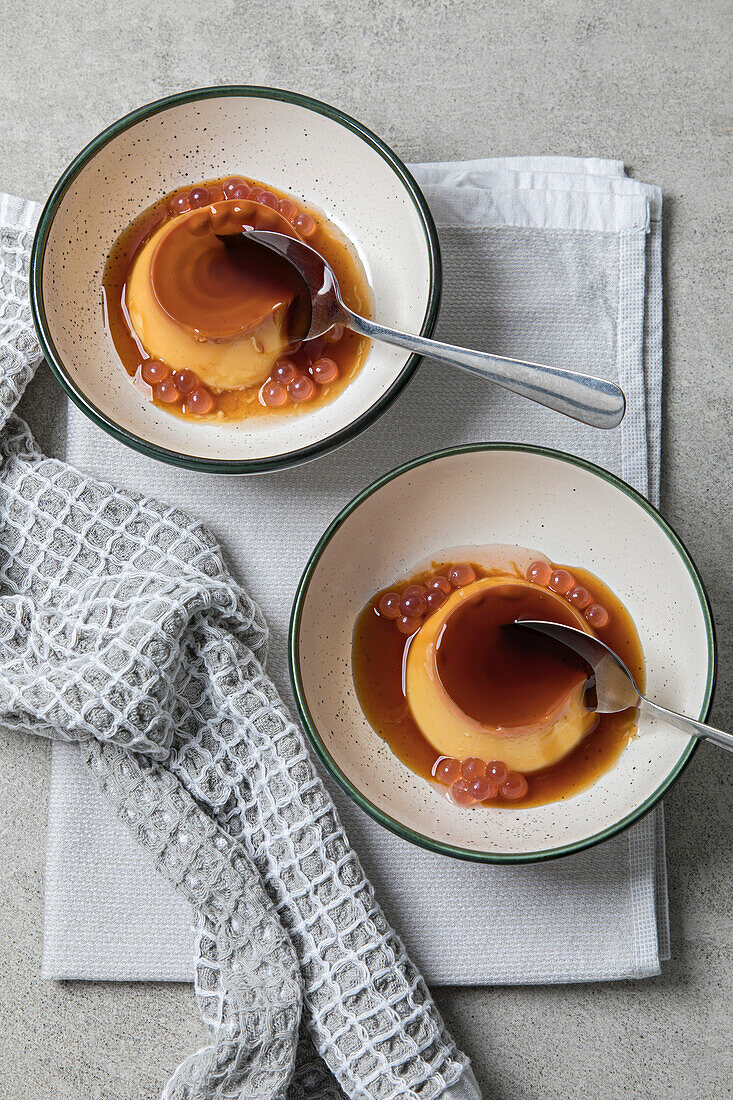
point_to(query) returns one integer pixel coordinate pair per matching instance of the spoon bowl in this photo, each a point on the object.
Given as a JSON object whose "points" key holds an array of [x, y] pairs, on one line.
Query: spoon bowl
{"points": [[615, 686], [583, 397], [317, 305]]}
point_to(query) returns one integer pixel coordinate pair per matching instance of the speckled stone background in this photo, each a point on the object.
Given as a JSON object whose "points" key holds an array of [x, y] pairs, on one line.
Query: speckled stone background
{"points": [[649, 83]]}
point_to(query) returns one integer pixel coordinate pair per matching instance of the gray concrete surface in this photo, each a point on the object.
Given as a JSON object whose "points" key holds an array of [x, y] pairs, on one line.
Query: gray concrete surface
{"points": [[645, 82]]}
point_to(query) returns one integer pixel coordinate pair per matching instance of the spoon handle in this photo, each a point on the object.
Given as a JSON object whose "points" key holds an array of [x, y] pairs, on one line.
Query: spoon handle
{"points": [[689, 726], [581, 396]]}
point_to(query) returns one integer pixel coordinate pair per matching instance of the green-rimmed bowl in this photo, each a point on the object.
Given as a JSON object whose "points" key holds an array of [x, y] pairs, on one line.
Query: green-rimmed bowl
{"points": [[281, 138], [572, 511]]}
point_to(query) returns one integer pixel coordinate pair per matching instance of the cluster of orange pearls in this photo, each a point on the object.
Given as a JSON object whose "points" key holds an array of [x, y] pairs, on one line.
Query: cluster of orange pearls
{"points": [[299, 375], [177, 387], [410, 608], [235, 187], [563, 583], [472, 780]]}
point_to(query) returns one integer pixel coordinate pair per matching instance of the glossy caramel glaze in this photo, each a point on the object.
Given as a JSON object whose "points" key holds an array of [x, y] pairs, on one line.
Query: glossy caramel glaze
{"points": [[208, 281], [503, 676], [378, 659], [349, 352]]}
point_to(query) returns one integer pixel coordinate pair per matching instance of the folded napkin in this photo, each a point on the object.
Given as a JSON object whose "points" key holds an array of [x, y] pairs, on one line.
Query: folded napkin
{"points": [[122, 631], [555, 259]]}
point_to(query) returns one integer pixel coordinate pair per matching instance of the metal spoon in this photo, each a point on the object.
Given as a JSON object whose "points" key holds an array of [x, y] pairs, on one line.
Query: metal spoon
{"points": [[615, 686], [591, 400]]}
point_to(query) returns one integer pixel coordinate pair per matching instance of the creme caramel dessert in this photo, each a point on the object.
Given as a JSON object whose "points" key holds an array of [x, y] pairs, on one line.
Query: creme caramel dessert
{"points": [[489, 712], [203, 320]]}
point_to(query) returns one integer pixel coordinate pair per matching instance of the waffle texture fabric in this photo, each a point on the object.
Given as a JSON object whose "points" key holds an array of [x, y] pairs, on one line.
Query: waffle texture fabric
{"points": [[121, 629]]}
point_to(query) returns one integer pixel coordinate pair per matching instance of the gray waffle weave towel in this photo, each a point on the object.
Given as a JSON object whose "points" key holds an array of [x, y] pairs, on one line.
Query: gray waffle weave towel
{"points": [[121, 629]]}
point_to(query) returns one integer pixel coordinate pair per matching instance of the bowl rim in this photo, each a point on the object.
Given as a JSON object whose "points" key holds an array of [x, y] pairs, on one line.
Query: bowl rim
{"points": [[398, 827], [226, 465]]}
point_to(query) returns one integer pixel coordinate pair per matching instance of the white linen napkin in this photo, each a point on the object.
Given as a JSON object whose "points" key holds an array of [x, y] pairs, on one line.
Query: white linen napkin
{"points": [[554, 259]]}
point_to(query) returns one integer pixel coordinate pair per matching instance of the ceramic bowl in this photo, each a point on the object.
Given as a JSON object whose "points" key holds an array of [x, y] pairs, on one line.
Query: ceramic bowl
{"points": [[543, 500], [281, 138]]}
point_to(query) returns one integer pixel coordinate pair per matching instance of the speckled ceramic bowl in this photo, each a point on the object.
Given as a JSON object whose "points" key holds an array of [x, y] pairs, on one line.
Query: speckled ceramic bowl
{"points": [[283, 139], [500, 493]]}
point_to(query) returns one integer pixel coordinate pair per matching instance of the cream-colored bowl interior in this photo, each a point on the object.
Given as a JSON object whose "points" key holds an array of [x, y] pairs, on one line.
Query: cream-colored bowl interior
{"points": [[537, 501], [282, 143]]}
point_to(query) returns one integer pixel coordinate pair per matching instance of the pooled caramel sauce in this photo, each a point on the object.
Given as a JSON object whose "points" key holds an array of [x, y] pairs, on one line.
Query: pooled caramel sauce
{"points": [[498, 674], [378, 658]]}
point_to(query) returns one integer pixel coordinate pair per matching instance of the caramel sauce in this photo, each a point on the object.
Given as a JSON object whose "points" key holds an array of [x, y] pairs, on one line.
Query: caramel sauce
{"points": [[349, 352], [379, 652], [501, 675], [206, 278]]}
